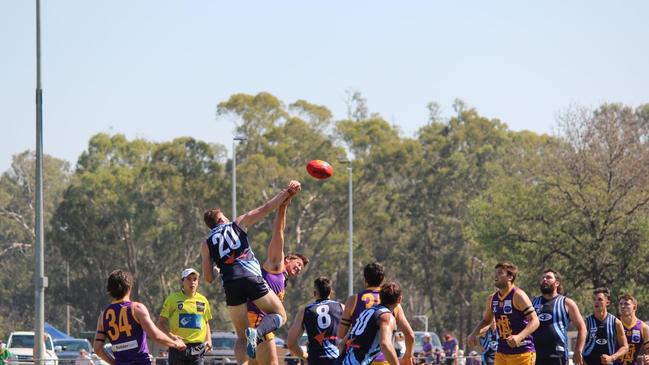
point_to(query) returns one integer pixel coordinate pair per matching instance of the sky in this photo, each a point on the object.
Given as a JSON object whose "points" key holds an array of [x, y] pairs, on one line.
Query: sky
{"points": [[157, 69]]}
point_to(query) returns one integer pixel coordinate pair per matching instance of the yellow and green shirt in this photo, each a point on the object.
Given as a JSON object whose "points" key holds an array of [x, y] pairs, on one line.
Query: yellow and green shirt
{"points": [[187, 316]]}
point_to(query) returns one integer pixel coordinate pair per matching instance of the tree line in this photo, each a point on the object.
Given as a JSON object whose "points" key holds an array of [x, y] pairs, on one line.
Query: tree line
{"points": [[438, 209]]}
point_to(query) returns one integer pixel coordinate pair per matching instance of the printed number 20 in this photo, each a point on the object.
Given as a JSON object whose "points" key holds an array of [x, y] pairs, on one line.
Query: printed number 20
{"points": [[228, 237]]}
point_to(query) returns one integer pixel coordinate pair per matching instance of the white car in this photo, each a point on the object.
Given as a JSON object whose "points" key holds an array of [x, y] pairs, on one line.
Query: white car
{"points": [[21, 347]]}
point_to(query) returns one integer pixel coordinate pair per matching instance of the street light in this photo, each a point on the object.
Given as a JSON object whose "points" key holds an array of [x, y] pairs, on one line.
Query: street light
{"points": [[424, 319], [234, 174], [40, 280], [350, 199]]}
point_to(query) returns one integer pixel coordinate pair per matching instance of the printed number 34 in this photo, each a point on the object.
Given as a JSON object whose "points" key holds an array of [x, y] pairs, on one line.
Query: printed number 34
{"points": [[118, 325]]}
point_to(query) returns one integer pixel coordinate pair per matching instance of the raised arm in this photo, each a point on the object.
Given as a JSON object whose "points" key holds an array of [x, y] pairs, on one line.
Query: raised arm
{"points": [[487, 318], [257, 214], [294, 333], [100, 340], [141, 314], [408, 333], [275, 258], [578, 321]]}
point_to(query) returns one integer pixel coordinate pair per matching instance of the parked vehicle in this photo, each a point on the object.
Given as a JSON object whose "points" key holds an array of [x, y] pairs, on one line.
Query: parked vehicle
{"points": [[21, 347], [419, 343], [222, 349], [68, 350]]}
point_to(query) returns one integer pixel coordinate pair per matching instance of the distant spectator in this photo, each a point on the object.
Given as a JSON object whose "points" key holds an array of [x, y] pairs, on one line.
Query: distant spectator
{"points": [[450, 347], [427, 349], [162, 358], [438, 356], [473, 358], [4, 353], [399, 343], [460, 357], [84, 358]]}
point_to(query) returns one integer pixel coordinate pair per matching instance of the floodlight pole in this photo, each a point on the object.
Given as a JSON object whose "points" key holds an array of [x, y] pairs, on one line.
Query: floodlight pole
{"points": [[350, 199], [40, 280], [234, 174]]}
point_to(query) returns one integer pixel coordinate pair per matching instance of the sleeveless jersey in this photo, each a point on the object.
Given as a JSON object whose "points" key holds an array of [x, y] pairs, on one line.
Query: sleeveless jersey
{"points": [[509, 321], [600, 339], [127, 337], [321, 320], [489, 343], [231, 252], [362, 347], [635, 341], [551, 338], [367, 299], [276, 282]]}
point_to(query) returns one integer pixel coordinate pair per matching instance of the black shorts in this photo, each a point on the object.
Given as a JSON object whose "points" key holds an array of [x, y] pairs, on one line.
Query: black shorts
{"points": [[551, 360], [321, 361], [193, 355], [239, 291]]}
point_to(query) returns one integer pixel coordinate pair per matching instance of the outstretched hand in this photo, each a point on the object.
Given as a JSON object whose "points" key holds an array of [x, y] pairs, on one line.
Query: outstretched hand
{"points": [[293, 188]]}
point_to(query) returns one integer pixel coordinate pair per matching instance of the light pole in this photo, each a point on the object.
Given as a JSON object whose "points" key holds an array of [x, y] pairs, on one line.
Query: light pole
{"points": [[424, 319], [350, 199], [40, 280], [234, 174]]}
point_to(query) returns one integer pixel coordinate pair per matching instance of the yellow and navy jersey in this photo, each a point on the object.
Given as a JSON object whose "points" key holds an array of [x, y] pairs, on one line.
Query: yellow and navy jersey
{"points": [[119, 324], [635, 340], [187, 316]]}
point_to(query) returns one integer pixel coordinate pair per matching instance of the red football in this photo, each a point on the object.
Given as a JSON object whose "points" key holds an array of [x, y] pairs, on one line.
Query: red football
{"points": [[319, 169]]}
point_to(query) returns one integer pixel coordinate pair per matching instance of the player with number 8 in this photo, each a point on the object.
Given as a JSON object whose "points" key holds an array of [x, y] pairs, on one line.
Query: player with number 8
{"points": [[320, 319]]}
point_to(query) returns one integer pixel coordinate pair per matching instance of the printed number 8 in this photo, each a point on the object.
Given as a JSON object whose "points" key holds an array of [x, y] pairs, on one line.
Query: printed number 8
{"points": [[324, 319]]}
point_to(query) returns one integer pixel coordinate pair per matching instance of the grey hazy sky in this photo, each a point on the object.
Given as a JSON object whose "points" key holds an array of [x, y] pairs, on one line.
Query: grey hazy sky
{"points": [[157, 69]]}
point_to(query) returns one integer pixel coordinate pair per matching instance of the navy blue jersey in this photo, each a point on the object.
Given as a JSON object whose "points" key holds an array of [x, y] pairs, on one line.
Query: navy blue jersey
{"points": [[231, 252], [321, 320], [363, 343], [489, 343], [601, 338], [551, 338]]}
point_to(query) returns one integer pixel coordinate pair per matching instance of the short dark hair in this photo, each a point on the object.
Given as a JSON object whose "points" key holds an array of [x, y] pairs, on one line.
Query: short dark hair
{"points": [[374, 274], [211, 217], [390, 293], [602, 290], [628, 298], [557, 277], [510, 268], [293, 256], [119, 283], [322, 285]]}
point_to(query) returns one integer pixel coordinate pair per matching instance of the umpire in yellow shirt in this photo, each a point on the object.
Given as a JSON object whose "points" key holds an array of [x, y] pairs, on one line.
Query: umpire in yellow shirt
{"points": [[186, 314]]}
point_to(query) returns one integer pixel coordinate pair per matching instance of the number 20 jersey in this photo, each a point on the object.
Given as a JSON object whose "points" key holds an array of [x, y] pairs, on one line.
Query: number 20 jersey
{"points": [[321, 320], [231, 252]]}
